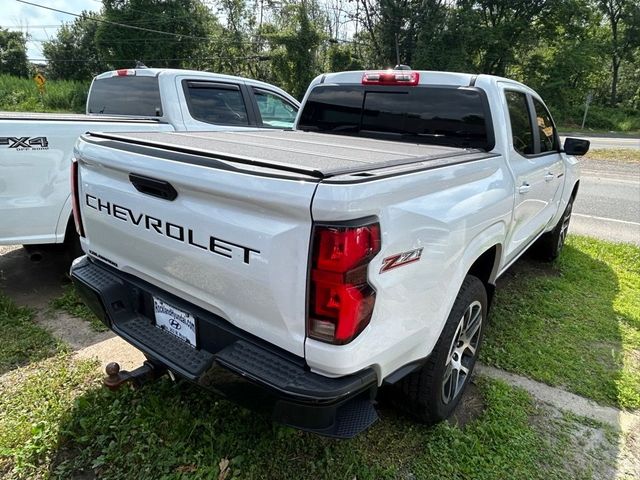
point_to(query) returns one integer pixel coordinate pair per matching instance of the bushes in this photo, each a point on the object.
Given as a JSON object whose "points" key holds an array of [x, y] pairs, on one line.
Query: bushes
{"points": [[618, 119], [21, 95]]}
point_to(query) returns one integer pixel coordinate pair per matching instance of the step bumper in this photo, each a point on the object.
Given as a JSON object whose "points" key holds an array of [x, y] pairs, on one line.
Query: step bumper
{"points": [[249, 371]]}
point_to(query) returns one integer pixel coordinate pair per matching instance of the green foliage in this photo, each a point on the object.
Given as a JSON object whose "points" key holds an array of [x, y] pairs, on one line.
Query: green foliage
{"points": [[13, 53], [575, 324], [564, 49], [74, 53], [55, 421], [188, 20], [34, 404], [22, 340], [72, 304], [22, 95], [294, 40]]}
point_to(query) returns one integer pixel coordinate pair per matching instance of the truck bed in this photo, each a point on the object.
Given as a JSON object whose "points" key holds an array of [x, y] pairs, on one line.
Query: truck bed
{"points": [[317, 155], [73, 117]]}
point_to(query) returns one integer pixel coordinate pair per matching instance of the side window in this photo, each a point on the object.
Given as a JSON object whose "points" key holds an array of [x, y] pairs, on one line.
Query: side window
{"points": [[216, 103], [548, 142], [520, 122], [275, 111]]}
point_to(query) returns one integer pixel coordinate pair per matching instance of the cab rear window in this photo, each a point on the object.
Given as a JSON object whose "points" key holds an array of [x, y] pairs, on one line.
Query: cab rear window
{"points": [[452, 116], [126, 95]]}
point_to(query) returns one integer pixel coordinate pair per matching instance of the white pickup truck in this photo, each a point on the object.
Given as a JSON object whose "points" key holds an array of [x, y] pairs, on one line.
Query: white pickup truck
{"points": [[36, 149], [301, 270]]}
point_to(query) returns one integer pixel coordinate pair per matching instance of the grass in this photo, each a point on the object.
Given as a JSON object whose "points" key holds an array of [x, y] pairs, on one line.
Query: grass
{"points": [[574, 324], [22, 95], [71, 303], [619, 154], [600, 119], [55, 421], [21, 340]]}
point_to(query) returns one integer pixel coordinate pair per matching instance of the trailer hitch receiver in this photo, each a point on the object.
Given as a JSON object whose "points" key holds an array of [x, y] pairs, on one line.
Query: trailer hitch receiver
{"points": [[145, 373]]}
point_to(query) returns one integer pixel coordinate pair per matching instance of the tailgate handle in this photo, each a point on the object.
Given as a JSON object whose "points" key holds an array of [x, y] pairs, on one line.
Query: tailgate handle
{"points": [[154, 187]]}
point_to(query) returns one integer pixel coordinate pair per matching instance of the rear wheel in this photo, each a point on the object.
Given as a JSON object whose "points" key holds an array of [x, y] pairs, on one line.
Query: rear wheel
{"points": [[72, 246], [433, 392], [550, 244]]}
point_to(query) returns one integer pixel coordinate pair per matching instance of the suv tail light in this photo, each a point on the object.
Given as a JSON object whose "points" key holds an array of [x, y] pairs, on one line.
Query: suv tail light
{"points": [[391, 77], [75, 198], [340, 298]]}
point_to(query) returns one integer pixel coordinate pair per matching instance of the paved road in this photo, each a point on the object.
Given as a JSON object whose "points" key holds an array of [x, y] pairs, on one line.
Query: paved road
{"points": [[608, 203], [606, 142]]}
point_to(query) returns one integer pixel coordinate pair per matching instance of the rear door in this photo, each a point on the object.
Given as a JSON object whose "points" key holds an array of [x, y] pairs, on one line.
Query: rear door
{"points": [[535, 162], [216, 105]]}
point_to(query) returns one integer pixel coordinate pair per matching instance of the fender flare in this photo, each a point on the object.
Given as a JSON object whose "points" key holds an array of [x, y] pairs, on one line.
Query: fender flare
{"points": [[64, 218]]}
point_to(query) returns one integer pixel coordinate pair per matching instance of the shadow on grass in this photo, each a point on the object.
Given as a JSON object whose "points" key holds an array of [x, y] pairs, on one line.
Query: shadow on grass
{"points": [[26, 286], [573, 323], [171, 430]]}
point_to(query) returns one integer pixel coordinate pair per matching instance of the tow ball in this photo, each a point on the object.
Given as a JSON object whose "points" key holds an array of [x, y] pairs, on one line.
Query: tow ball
{"points": [[145, 373]]}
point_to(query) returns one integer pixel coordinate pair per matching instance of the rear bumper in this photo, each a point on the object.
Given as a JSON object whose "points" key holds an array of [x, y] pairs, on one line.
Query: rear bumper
{"points": [[232, 362]]}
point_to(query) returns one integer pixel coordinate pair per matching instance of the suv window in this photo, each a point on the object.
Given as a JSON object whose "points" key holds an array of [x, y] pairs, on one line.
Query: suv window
{"points": [[548, 137], [275, 111], [453, 116], [520, 120], [216, 103], [126, 95]]}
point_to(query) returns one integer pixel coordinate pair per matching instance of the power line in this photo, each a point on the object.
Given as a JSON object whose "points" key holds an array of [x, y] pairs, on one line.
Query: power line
{"points": [[118, 24], [196, 59]]}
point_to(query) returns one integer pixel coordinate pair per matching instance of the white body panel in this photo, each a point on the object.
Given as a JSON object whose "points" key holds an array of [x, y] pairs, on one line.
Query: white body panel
{"points": [[34, 182], [454, 213]]}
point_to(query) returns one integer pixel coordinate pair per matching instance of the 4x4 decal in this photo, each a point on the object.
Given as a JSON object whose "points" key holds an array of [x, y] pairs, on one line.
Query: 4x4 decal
{"points": [[25, 143]]}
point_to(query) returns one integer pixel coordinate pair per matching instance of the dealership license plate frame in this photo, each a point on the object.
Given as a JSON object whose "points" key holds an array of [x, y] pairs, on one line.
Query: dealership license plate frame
{"points": [[175, 321]]}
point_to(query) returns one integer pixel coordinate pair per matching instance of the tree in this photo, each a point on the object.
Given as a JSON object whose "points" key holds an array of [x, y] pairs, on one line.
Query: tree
{"points": [[624, 20], [295, 39], [74, 54], [185, 26], [13, 53]]}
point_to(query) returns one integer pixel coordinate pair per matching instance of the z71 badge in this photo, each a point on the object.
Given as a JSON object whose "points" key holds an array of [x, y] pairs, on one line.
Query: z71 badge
{"points": [[25, 143], [401, 259]]}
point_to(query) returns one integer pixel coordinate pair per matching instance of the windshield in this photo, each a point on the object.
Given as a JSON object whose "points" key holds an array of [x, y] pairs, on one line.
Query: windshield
{"points": [[453, 116], [126, 95]]}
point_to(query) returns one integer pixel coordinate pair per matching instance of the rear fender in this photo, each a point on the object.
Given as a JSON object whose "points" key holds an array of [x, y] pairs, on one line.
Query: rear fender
{"points": [[63, 220]]}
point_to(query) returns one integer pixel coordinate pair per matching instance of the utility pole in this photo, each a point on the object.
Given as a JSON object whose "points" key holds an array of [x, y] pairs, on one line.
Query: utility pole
{"points": [[397, 50]]}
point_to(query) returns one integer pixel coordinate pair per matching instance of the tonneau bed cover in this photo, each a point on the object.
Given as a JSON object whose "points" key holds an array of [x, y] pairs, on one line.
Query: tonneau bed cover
{"points": [[318, 155]]}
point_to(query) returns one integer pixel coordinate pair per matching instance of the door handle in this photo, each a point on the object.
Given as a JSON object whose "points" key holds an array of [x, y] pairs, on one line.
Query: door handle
{"points": [[154, 187], [524, 188], [549, 176]]}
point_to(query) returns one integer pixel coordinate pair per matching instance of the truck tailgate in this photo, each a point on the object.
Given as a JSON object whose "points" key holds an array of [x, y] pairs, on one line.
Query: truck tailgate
{"points": [[233, 242]]}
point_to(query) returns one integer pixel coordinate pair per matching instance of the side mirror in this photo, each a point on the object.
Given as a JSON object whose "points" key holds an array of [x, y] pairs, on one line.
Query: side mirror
{"points": [[576, 146]]}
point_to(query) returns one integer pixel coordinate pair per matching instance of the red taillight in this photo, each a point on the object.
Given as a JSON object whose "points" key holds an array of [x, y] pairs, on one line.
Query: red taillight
{"points": [[391, 77], [340, 299], [75, 199]]}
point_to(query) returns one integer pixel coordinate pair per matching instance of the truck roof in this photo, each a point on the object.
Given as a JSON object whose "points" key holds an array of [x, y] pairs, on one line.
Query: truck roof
{"points": [[426, 77], [312, 154], [174, 72]]}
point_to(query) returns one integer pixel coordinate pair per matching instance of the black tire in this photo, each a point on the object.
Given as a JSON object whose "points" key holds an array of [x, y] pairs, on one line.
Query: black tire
{"points": [[72, 246], [423, 393], [548, 247]]}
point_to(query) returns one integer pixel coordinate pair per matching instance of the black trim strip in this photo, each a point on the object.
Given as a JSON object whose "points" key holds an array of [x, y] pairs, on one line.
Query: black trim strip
{"points": [[204, 159], [353, 179], [82, 118]]}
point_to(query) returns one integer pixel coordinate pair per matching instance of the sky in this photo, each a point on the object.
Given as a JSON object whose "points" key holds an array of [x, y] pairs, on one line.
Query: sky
{"points": [[40, 23]]}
